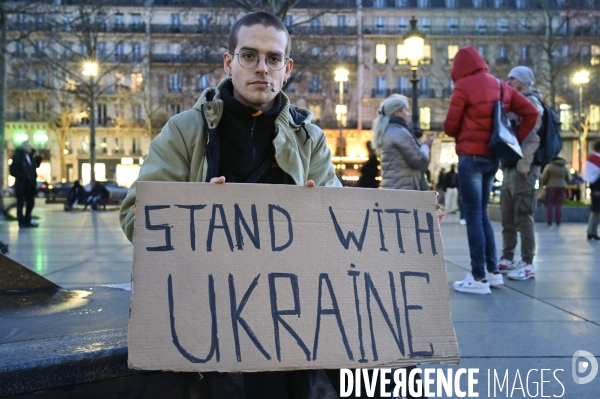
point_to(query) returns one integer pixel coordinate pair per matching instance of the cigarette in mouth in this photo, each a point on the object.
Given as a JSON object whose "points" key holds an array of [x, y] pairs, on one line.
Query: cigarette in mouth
{"points": [[270, 86]]}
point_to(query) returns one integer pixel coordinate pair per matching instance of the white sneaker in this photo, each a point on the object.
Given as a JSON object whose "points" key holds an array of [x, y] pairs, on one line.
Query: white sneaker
{"points": [[495, 279], [505, 265], [463, 222], [470, 285], [524, 271]]}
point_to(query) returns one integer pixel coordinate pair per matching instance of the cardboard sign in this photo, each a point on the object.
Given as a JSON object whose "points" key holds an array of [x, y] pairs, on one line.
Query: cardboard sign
{"points": [[249, 277]]}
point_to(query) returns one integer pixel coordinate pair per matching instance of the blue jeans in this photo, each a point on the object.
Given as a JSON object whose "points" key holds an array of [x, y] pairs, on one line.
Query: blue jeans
{"points": [[475, 177]]}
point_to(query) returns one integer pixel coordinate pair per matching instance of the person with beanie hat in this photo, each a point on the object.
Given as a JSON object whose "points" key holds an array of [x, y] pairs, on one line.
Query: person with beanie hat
{"points": [[518, 199]]}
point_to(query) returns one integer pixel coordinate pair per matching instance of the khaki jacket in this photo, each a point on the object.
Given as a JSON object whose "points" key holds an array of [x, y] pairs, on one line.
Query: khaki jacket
{"points": [[177, 153]]}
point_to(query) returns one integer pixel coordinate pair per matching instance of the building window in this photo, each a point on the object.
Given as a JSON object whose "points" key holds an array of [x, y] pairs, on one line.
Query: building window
{"points": [[103, 145], [117, 147], [40, 47], [521, 4], [595, 54], [119, 52], [203, 82], [450, 3], [401, 55], [136, 51], [381, 53], [502, 25], [136, 146], [426, 60], [203, 22], [595, 117], [449, 87], [423, 3], [40, 78], [137, 112], [425, 24], [425, 118], [174, 49], [524, 53], [402, 25], [560, 26], [480, 25], [401, 3], [19, 48], [315, 84], [566, 117], [452, 50], [101, 114], [175, 20], [402, 86], [498, 3], [137, 82], [40, 20], [502, 52], [316, 111], [315, 25], [315, 51], [174, 109], [290, 88], [119, 20], [289, 21], [424, 89], [478, 3], [380, 87], [482, 50], [175, 82], [452, 24], [378, 3], [524, 25], [40, 107], [341, 21], [341, 51], [380, 25], [136, 20]]}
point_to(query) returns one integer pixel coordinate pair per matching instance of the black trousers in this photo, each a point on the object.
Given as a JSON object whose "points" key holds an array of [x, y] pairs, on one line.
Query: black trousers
{"points": [[29, 201], [297, 384]]}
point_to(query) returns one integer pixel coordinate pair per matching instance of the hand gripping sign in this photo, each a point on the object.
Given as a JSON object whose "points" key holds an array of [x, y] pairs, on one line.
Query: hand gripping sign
{"points": [[238, 277]]}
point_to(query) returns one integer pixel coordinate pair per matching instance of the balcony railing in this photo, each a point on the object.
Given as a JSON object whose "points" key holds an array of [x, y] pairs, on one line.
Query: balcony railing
{"points": [[380, 93], [443, 30], [186, 58], [404, 91], [324, 30]]}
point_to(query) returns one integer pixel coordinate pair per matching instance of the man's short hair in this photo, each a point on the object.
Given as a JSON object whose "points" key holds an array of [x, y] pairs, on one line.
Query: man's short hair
{"points": [[263, 18]]}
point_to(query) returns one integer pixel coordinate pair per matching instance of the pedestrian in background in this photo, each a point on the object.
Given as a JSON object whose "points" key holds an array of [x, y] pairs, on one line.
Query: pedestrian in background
{"points": [[451, 186], [441, 190], [575, 187], [556, 179], [370, 170], [404, 159], [76, 194], [518, 198], [25, 161], [592, 175], [469, 121]]}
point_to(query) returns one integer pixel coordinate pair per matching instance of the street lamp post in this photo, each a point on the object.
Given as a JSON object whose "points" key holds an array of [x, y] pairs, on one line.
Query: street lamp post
{"points": [[341, 110], [90, 69], [414, 43], [582, 77]]}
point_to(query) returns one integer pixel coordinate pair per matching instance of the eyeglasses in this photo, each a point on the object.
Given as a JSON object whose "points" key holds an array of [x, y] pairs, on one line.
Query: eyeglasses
{"points": [[249, 59]]}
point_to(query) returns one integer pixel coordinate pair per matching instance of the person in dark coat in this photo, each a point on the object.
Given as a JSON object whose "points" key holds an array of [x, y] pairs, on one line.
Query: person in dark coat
{"points": [[76, 195], [25, 161], [98, 192], [370, 170]]}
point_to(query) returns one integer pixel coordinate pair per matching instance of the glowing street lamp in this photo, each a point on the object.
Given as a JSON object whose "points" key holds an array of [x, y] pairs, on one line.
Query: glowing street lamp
{"points": [[414, 45], [341, 110], [580, 78], [90, 69]]}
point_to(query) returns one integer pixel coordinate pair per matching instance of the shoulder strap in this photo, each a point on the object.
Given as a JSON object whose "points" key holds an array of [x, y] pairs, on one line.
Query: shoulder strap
{"points": [[501, 93], [258, 173]]}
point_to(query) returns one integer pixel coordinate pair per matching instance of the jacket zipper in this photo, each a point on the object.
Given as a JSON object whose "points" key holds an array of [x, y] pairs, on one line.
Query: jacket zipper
{"points": [[253, 145]]}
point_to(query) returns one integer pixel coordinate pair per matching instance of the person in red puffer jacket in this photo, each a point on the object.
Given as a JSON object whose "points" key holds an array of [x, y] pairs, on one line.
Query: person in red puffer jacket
{"points": [[469, 121]]}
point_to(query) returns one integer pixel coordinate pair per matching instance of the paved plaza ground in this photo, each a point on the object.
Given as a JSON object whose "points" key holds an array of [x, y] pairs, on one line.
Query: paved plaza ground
{"points": [[536, 324]]}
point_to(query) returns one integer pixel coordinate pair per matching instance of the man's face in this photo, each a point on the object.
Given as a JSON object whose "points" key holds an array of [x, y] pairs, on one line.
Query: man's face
{"points": [[250, 85], [515, 84]]}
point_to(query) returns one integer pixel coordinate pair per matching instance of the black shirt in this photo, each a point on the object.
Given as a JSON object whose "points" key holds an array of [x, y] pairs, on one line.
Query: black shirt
{"points": [[246, 140]]}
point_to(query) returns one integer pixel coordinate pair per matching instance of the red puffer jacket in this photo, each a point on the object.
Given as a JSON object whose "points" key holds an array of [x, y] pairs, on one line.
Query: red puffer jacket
{"points": [[469, 118]]}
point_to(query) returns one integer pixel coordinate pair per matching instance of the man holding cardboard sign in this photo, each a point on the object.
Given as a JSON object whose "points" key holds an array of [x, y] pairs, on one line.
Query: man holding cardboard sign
{"points": [[245, 131]]}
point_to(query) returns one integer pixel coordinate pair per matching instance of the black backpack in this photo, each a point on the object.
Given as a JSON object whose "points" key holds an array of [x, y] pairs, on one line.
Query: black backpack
{"points": [[550, 140]]}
